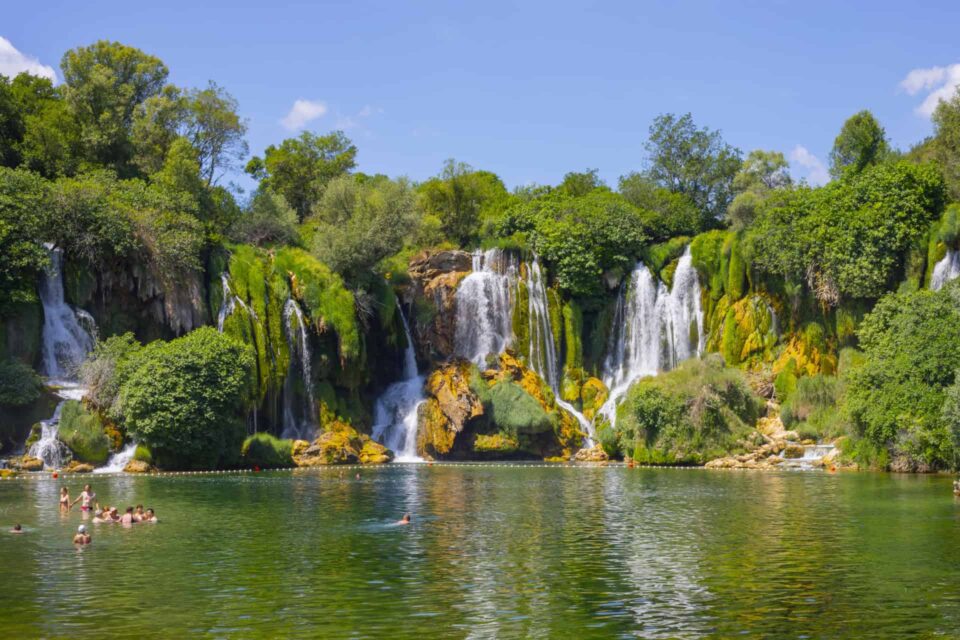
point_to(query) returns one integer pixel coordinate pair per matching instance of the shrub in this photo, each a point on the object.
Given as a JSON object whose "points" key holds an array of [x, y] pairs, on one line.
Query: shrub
{"points": [[516, 411], [267, 451], [183, 399], [19, 384]]}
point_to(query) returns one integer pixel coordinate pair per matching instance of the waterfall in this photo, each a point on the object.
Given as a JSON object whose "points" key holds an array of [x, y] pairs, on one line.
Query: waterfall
{"points": [[543, 350], [230, 303], [654, 328], [67, 334], [396, 412], [484, 307], [946, 270], [304, 425], [49, 448], [118, 461]]}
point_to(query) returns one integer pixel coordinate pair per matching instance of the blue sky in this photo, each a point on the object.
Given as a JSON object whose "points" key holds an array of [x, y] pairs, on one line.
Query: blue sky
{"points": [[531, 90]]}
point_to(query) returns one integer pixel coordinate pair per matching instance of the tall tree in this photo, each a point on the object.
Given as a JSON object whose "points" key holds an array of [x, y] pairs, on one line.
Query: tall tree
{"points": [[300, 168], [580, 183], [693, 161], [460, 197], [51, 135], [216, 131], [860, 143], [762, 172], [104, 84], [946, 141]]}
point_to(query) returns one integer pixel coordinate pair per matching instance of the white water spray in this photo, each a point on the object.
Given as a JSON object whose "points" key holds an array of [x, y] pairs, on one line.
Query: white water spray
{"points": [[946, 270], [118, 461], [67, 334], [484, 306], [654, 328], [304, 425], [397, 410]]}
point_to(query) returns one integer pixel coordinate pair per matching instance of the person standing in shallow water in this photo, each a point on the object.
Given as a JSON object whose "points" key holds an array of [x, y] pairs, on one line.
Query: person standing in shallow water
{"points": [[64, 499], [86, 498]]}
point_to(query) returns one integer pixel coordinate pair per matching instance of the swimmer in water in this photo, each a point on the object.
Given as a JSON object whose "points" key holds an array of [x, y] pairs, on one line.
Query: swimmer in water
{"points": [[405, 519], [127, 518], [87, 496], [82, 536], [150, 517], [138, 514], [64, 499], [16, 529]]}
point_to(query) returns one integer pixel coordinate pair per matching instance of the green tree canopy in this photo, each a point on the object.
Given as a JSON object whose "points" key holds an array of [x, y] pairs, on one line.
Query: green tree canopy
{"points": [[946, 141], [580, 183], [104, 84], [23, 221], [762, 172], [300, 168], [461, 198], [694, 162], [184, 399], [860, 143], [666, 214]]}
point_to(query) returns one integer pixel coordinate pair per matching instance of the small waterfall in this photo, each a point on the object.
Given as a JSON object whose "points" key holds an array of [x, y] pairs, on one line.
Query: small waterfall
{"points": [[118, 461], [813, 455], [67, 334], [230, 303], [543, 350], [654, 328], [49, 448], [396, 413], [484, 306], [946, 270], [304, 425]]}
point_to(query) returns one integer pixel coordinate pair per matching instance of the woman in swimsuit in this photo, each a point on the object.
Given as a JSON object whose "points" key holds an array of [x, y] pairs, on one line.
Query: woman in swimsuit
{"points": [[86, 498], [64, 499]]}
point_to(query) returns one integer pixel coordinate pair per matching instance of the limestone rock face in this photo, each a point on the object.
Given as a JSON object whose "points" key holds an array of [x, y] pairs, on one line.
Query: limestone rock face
{"points": [[434, 277], [79, 467], [27, 463], [341, 444], [450, 405], [593, 454], [137, 466]]}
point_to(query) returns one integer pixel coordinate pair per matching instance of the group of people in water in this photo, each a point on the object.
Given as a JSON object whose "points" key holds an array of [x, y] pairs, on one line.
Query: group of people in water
{"points": [[101, 515]]}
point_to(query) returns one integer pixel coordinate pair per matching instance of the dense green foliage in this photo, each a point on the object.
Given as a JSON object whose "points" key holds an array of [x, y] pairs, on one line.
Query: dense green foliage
{"points": [[861, 142], [461, 199], [183, 398], [696, 412], [82, 431], [19, 384], [267, 451]]}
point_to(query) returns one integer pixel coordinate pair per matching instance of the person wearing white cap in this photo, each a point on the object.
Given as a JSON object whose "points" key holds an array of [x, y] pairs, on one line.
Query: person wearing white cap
{"points": [[82, 536]]}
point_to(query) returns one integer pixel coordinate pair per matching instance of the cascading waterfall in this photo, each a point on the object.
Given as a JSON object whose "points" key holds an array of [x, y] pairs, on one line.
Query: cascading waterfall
{"points": [[945, 270], [230, 303], [119, 460], [543, 351], [67, 339], [484, 306], [654, 328], [299, 422], [396, 413], [67, 334]]}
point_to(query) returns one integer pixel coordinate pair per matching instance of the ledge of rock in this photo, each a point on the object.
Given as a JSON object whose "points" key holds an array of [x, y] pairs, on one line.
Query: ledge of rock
{"points": [[593, 454], [341, 444], [137, 466]]}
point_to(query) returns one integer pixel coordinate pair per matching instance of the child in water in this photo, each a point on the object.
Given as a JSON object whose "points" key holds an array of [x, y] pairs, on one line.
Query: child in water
{"points": [[82, 536]]}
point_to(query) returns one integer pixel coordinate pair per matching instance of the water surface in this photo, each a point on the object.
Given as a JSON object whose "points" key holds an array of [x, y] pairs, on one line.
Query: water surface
{"points": [[511, 551]]}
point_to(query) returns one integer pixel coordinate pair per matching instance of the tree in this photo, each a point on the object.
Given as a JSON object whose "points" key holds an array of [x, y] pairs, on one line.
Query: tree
{"points": [[946, 141], [183, 399], [300, 168], [215, 130], [896, 397], [23, 218], [51, 138], [694, 162], [666, 214], [267, 219], [461, 197], [11, 125], [861, 143], [104, 85], [762, 172], [580, 183], [358, 224]]}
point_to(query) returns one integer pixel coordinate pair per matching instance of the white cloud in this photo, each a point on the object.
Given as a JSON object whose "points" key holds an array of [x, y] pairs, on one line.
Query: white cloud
{"points": [[345, 123], [939, 83], [12, 62], [816, 171], [302, 112]]}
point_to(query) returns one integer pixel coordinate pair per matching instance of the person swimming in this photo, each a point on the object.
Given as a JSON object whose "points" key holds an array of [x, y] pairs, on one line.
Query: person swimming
{"points": [[150, 517], [108, 516], [86, 498], [138, 515], [127, 518], [405, 519], [64, 499], [16, 529], [82, 536]]}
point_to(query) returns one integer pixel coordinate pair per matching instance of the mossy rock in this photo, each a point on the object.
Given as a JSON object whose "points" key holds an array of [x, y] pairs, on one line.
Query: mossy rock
{"points": [[514, 410], [83, 433], [811, 351], [142, 454], [435, 437], [748, 332], [593, 395], [499, 443], [374, 453], [265, 450]]}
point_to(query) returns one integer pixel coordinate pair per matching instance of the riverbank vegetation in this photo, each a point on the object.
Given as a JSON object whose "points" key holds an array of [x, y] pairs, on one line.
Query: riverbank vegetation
{"points": [[219, 310]]}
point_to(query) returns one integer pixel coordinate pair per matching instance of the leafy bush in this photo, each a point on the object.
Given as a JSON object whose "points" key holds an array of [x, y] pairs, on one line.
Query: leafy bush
{"points": [[104, 370], [514, 410], [265, 450], [82, 431], [696, 412], [19, 384], [183, 399]]}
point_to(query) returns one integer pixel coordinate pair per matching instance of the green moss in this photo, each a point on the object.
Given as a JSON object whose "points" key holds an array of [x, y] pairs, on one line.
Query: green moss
{"points": [[948, 230], [328, 302], [572, 331], [515, 411], [496, 443], [748, 332], [555, 309], [786, 381], [83, 432], [706, 251], [142, 454], [521, 319], [265, 450], [736, 272], [658, 257]]}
